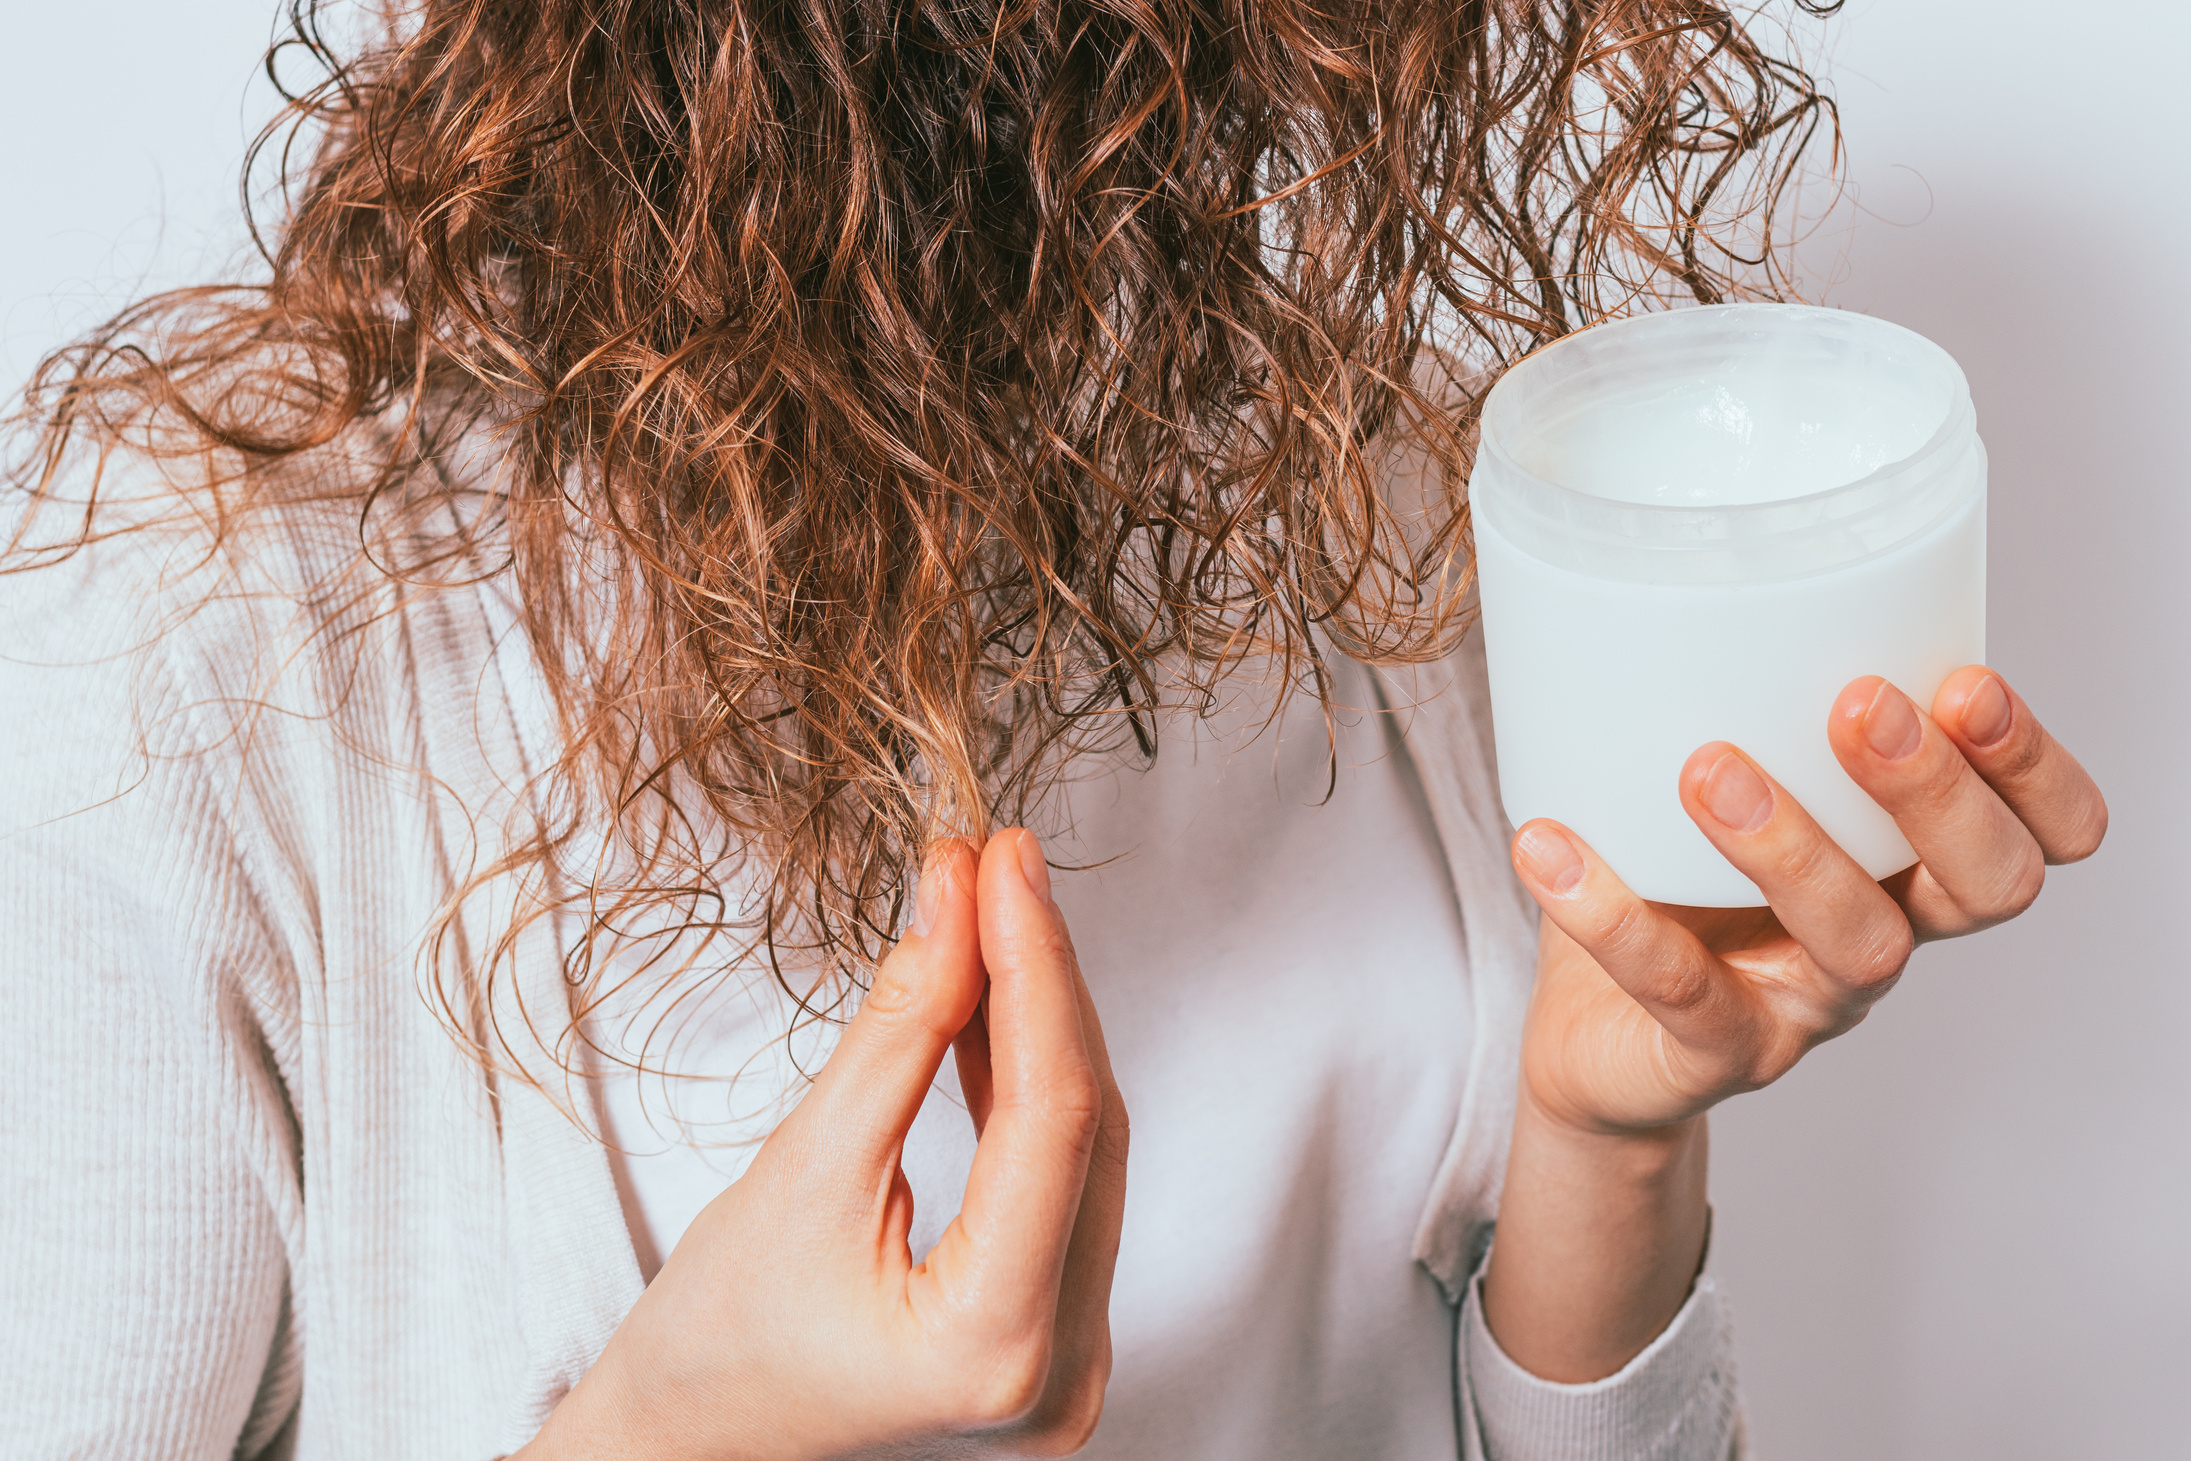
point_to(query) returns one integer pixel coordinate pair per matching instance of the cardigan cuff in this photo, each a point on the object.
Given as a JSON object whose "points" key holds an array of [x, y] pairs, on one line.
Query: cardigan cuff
{"points": [[1675, 1401]]}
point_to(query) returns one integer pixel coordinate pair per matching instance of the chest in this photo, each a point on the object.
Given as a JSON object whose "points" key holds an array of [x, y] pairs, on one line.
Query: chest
{"points": [[1269, 932]]}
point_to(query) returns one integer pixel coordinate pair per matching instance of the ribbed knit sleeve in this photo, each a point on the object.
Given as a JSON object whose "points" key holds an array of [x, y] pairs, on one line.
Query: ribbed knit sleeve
{"points": [[142, 1263], [1676, 1401]]}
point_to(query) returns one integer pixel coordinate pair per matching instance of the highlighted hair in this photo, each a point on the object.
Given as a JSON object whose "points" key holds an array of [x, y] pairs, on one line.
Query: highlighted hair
{"points": [[941, 386]]}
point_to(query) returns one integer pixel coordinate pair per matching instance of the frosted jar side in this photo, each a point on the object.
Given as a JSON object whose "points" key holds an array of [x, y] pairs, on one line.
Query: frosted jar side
{"points": [[1600, 690]]}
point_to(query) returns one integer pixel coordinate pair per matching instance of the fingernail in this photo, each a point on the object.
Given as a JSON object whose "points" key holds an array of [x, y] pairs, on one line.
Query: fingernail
{"points": [[927, 895], [1987, 713], [1891, 724], [1734, 794], [1033, 867], [1550, 859]]}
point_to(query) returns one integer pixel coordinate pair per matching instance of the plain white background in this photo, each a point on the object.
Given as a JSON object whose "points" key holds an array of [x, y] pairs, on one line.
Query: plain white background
{"points": [[1965, 1230]]}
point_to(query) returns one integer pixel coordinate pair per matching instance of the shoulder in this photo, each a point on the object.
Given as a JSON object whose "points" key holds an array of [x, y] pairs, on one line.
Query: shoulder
{"points": [[194, 575], [170, 629]]}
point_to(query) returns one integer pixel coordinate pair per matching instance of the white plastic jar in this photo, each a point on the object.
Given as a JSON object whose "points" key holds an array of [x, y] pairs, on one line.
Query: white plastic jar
{"points": [[1700, 525]]}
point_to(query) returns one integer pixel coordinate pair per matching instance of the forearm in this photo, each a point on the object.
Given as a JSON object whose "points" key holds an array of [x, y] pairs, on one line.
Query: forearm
{"points": [[1600, 1239]]}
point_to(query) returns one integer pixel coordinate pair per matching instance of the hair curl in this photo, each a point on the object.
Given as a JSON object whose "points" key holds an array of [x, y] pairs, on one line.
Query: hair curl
{"points": [[945, 385]]}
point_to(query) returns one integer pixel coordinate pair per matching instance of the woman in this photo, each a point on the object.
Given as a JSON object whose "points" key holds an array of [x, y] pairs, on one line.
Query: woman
{"points": [[509, 713]]}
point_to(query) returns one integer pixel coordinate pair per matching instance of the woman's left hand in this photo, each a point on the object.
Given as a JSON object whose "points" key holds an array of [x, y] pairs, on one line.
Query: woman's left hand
{"points": [[1646, 1014]]}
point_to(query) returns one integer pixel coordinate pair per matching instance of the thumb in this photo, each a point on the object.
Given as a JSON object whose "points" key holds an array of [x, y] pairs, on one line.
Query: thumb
{"points": [[924, 992]]}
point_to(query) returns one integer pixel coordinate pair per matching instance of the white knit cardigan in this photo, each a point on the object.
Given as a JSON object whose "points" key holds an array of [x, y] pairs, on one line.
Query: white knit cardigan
{"points": [[262, 1204]]}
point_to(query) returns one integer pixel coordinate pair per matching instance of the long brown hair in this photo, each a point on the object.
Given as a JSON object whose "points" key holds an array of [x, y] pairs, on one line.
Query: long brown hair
{"points": [[943, 386]]}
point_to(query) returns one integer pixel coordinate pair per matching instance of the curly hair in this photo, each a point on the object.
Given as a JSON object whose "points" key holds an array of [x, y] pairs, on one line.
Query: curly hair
{"points": [[944, 386]]}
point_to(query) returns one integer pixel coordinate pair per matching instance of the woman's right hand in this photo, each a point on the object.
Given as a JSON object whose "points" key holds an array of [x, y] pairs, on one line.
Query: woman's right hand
{"points": [[792, 1320]]}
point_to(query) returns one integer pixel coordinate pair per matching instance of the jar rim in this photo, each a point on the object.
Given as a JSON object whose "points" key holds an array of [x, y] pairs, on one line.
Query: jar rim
{"points": [[1728, 542]]}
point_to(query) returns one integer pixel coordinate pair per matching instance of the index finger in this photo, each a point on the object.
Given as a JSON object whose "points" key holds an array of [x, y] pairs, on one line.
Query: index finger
{"points": [[875, 1080], [1003, 1256], [1661, 965]]}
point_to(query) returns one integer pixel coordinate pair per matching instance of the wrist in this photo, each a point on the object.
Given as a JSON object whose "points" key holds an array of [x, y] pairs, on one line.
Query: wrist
{"points": [[1601, 1235], [601, 1416], [1633, 1151]]}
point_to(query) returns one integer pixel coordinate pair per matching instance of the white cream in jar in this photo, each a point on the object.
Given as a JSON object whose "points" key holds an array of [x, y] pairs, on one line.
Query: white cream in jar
{"points": [[1700, 525]]}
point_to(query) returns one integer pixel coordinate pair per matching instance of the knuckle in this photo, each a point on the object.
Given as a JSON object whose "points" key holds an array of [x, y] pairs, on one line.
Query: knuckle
{"points": [[2024, 884], [1084, 1123], [1068, 1108], [2021, 759], [1113, 1140], [1935, 786], [1772, 1057], [2016, 887], [1815, 1022], [901, 998], [1076, 1100], [1681, 985], [908, 997], [1832, 1027], [1071, 1428], [1623, 932], [1895, 956], [2083, 838], [1010, 1391], [1949, 922], [893, 995], [1805, 859], [1630, 939], [2032, 883], [1886, 956], [1931, 910], [1782, 1047], [1050, 943]]}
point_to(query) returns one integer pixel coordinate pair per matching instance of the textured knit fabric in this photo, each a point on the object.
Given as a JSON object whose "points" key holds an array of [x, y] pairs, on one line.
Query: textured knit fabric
{"points": [[1675, 1400], [264, 1204]]}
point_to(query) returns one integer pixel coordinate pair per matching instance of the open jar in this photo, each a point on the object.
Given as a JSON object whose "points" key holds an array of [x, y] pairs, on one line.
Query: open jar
{"points": [[1700, 525]]}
